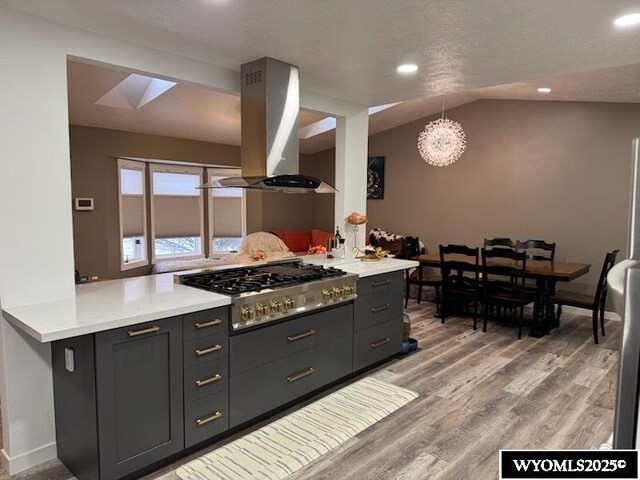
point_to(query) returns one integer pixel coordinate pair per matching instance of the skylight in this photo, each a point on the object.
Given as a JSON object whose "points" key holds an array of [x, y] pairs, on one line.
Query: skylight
{"points": [[329, 123], [135, 91]]}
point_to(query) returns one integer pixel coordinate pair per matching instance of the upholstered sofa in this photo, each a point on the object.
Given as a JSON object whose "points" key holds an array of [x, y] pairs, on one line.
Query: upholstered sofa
{"points": [[299, 242]]}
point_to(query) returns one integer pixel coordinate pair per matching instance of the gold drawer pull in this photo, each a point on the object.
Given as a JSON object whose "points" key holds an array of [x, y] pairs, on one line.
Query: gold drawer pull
{"points": [[210, 418], [135, 333], [301, 375], [204, 351], [207, 381], [381, 308], [380, 343], [211, 323], [380, 284], [300, 336]]}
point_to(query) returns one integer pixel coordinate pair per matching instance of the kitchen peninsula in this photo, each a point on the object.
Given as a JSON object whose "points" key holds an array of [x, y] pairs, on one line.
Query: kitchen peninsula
{"points": [[146, 368]]}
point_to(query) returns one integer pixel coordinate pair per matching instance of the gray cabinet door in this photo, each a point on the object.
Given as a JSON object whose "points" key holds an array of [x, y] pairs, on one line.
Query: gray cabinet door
{"points": [[139, 394]]}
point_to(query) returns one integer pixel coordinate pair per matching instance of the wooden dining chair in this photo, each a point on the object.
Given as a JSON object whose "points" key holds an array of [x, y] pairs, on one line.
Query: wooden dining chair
{"points": [[460, 278], [537, 249], [596, 303], [503, 283], [499, 242], [423, 279]]}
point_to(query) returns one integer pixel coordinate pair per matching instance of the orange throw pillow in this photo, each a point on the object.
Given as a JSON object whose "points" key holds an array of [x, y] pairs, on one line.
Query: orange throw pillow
{"points": [[318, 237], [297, 241]]}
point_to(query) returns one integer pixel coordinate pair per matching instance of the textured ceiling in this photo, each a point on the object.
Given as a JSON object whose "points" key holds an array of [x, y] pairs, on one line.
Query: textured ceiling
{"points": [[349, 50]]}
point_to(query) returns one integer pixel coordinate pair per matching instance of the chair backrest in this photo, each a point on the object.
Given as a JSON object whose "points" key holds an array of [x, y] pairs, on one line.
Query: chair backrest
{"points": [[537, 249], [499, 242], [453, 269], [410, 247], [504, 270], [601, 290]]}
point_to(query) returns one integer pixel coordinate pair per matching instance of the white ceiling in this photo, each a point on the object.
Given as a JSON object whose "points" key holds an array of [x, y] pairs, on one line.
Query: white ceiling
{"points": [[187, 111], [349, 50], [184, 111]]}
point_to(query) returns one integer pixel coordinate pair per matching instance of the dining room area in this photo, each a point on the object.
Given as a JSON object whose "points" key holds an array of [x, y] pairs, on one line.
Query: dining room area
{"points": [[504, 278]]}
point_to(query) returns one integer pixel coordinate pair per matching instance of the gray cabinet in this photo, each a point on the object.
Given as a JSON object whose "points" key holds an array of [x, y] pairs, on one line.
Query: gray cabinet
{"points": [[282, 362], [119, 394], [133, 397], [139, 391], [378, 319]]}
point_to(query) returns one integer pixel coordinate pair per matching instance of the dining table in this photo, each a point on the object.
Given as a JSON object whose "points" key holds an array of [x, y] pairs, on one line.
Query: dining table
{"points": [[546, 274]]}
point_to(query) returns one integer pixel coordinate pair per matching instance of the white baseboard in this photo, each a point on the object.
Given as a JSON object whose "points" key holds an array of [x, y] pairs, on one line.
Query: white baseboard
{"points": [[20, 463], [583, 311]]}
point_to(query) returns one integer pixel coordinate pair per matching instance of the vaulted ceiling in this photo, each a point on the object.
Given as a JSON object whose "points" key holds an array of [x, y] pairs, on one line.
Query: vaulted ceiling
{"points": [[464, 50], [187, 111]]}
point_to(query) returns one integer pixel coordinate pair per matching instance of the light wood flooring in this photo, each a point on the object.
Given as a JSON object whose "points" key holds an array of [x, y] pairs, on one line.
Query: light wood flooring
{"points": [[479, 392]]}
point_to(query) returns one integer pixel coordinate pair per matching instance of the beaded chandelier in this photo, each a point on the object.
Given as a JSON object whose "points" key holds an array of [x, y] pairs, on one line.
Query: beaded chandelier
{"points": [[442, 142]]}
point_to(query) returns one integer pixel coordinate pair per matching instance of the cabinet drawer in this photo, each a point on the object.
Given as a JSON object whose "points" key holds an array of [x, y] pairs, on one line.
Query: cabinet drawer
{"points": [[206, 417], [377, 283], [253, 349], [205, 323], [377, 343], [204, 350], [206, 379], [267, 387], [371, 310]]}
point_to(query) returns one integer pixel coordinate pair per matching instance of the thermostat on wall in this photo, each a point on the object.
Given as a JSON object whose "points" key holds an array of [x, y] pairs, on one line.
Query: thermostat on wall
{"points": [[84, 203]]}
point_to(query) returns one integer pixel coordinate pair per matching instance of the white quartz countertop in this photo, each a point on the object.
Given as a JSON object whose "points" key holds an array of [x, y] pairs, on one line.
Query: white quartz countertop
{"points": [[363, 269], [111, 304]]}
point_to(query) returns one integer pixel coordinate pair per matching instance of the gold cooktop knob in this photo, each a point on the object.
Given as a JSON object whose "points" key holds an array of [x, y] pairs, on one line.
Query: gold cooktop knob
{"points": [[261, 309]]}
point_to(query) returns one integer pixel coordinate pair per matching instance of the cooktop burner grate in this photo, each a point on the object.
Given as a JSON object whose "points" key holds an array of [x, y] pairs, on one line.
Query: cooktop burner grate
{"points": [[255, 279]]}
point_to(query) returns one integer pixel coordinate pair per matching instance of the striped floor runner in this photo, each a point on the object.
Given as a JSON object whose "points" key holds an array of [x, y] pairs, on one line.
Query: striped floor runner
{"points": [[283, 447]]}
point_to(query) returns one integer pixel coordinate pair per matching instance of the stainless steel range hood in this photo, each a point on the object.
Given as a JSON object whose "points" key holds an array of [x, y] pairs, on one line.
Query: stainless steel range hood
{"points": [[270, 100]]}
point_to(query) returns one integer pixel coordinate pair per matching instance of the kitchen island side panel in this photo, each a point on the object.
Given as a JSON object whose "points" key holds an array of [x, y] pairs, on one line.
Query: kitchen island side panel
{"points": [[75, 406]]}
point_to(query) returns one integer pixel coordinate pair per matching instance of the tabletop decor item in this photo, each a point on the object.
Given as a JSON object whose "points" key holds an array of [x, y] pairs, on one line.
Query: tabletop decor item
{"points": [[317, 249], [356, 219], [442, 142], [371, 254], [375, 178]]}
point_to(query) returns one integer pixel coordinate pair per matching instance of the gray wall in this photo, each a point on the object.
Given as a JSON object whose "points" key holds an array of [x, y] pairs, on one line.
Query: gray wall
{"points": [[94, 174], [558, 171]]}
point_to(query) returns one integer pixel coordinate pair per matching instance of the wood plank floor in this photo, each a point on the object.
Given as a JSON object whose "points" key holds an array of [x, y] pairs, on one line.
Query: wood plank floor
{"points": [[479, 392]]}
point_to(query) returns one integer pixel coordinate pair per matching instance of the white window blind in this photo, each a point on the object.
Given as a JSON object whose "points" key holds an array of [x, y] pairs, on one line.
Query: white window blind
{"points": [[226, 213], [177, 210], [132, 202], [132, 215]]}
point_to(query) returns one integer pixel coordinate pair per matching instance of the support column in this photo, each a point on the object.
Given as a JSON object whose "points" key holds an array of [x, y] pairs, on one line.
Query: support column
{"points": [[352, 134]]}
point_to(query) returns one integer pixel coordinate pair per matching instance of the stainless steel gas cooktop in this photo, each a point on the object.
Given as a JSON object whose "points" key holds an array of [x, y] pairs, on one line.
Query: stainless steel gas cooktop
{"points": [[273, 291]]}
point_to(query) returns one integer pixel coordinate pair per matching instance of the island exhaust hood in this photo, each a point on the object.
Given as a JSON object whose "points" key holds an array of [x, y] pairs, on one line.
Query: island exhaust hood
{"points": [[270, 100]]}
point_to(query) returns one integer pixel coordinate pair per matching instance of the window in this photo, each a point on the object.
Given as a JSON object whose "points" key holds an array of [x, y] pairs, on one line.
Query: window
{"points": [[176, 211], [226, 214], [133, 218]]}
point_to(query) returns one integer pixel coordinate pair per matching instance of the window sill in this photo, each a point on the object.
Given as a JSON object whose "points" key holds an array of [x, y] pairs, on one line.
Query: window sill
{"points": [[132, 265], [176, 257]]}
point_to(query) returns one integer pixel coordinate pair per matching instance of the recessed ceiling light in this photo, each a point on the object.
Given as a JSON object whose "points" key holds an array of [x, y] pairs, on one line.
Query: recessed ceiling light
{"points": [[627, 20], [544, 90], [407, 68]]}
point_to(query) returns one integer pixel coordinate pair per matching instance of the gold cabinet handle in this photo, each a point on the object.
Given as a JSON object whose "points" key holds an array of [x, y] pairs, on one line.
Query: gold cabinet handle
{"points": [[211, 323], [380, 284], [135, 333], [204, 351], [381, 308], [380, 343], [206, 381], [298, 376], [300, 336], [203, 421]]}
